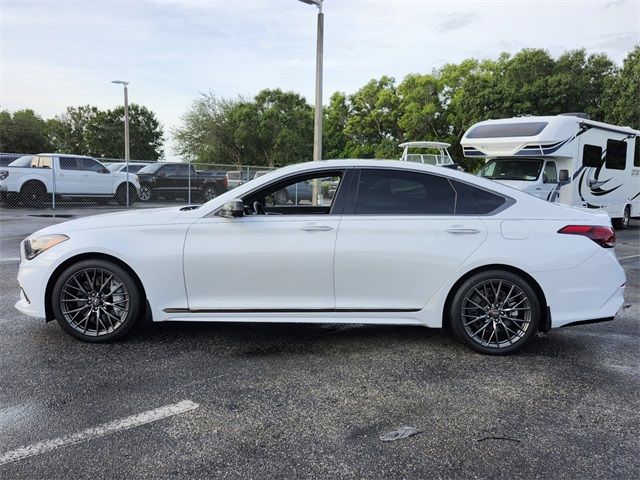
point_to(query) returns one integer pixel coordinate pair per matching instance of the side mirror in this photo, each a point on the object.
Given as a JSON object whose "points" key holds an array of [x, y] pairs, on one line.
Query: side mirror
{"points": [[232, 209], [563, 177], [105, 170]]}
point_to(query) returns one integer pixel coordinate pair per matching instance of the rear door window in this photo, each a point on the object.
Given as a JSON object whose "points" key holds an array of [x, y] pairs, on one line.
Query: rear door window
{"points": [[397, 192], [68, 163]]}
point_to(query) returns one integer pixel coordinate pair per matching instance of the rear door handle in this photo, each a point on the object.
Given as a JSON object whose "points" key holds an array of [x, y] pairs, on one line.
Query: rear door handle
{"points": [[316, 228], [462, 230]]}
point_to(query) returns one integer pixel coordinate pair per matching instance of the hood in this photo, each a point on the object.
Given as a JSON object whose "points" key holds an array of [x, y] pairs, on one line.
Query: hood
{"points": [[127, 218]]}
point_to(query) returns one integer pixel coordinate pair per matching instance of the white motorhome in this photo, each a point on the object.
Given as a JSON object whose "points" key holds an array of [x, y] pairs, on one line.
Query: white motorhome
{"points": [[568, 159]]}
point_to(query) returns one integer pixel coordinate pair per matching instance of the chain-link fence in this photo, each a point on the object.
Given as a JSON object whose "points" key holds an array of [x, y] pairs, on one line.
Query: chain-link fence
{"points": [[58, 182]]}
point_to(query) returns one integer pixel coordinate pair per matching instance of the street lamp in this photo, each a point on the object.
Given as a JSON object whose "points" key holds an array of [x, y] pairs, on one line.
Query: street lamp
{"points": [[317, 123], [126, 129]]}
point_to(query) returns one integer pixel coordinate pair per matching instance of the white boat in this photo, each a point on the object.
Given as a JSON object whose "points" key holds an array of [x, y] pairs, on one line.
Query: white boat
{"points": [[437, 153]]}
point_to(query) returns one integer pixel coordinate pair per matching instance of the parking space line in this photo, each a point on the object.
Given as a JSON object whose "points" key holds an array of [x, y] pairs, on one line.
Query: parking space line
{"points": [[9, 259], [99, 431], [628, 257]]}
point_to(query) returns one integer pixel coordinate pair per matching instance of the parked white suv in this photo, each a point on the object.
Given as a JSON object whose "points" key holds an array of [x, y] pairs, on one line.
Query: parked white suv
{"points": [[66, 176]]}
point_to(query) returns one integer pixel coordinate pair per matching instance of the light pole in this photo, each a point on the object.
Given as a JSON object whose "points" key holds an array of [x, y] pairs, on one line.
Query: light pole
{"points": [[126, 130], [317, 123]]}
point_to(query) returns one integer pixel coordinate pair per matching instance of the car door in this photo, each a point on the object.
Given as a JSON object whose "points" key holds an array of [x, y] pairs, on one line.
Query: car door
{"points": [[69, 176], [399, 240], [281, 260], [94, 179], [166, 178]]}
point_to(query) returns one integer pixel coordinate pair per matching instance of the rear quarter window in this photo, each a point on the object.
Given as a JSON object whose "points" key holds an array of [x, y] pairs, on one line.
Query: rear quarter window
{"points": [[472, 200]]}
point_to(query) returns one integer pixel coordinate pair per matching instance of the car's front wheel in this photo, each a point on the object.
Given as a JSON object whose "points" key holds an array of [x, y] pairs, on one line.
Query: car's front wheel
{"points": [[495, 312], [96, 301], [146, 193]]}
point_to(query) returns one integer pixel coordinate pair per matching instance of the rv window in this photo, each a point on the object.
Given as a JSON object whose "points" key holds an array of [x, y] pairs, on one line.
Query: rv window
{"points": [[636, 158], [616, 158], [550, 173], [524, 129], [521, 169], [591, 156]]}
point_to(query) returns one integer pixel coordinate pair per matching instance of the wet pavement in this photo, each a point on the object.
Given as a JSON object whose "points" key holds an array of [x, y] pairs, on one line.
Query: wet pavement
{"points": [[290, 401]]}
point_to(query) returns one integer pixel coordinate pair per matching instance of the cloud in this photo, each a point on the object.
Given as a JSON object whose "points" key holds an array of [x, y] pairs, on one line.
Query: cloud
{"points": [[456, 21]]}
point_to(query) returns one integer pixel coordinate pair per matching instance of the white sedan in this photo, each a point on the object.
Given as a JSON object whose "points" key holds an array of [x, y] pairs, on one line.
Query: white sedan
{"points": [[396, 243]]}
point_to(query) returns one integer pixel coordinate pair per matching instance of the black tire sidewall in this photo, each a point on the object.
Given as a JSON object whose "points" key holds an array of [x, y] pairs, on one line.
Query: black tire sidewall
{"points": [[135, 296], [455, 318]]}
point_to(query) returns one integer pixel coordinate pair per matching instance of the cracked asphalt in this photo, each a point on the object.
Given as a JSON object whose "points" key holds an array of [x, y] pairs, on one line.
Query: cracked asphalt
{"points": [[292, 401]]}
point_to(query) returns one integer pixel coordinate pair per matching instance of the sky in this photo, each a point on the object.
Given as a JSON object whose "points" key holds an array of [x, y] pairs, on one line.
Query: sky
{"points": [[60, 53]]}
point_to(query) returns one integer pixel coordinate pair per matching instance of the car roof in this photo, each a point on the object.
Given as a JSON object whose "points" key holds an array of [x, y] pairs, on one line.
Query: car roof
{"points": [[63, 154]]}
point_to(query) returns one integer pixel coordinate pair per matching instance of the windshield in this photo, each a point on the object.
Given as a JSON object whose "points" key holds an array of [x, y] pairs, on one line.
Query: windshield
{"points": [[523, 169], [22, 161], [150, 168]]}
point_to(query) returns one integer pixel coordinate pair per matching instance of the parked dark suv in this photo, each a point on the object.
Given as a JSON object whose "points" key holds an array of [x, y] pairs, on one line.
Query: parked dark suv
{"points": [[173, 180]]}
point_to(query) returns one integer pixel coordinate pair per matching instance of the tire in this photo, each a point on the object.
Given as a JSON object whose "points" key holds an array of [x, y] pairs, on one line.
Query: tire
{"points": [[121, 194], [480, 317], [623, 222], [33, 194], [84, 311], [209, 193], [146, 193]]}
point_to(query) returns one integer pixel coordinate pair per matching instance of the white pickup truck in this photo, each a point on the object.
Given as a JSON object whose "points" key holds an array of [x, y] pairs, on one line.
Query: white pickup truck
{"points": [[66, 176]]}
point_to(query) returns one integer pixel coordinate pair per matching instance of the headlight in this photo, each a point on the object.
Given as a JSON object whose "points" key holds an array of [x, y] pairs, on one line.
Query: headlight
{"points": [[34, 246], [4, 174]]}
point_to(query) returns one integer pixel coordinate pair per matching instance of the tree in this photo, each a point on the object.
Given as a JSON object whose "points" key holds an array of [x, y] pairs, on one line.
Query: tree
{"points": [[336, 114], [275, 128], [105, 134], [622, 93], [372, 128], [86, 130], [23, 132]]}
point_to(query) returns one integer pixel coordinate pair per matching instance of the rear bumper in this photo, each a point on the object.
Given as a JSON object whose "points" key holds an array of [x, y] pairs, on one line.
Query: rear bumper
{"points": [[591, 292]]}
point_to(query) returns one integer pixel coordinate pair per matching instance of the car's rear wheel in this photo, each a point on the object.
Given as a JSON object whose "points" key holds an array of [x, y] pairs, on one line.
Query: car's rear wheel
{"points": [[121, 194], [209, 193], [495, 312], [96, 301]]}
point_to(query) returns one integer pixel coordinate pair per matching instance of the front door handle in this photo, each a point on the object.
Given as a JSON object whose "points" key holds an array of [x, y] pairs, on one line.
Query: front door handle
{"points": [[316, 228], [462, 230]]}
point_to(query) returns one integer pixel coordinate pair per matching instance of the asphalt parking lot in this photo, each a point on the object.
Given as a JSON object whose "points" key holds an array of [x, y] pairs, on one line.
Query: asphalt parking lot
{"points": [[291, 401]]}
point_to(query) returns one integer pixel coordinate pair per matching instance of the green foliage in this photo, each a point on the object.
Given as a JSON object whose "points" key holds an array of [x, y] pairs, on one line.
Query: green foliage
{"points": [[23, 132], [622, 96], [275, 128], [83, 130]]}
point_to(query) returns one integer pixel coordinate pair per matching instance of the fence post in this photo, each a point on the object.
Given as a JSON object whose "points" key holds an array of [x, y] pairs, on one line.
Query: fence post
{"points": [[189, 194], [53, 183]]}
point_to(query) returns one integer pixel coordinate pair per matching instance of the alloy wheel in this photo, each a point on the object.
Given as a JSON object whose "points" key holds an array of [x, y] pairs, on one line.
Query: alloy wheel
{"points": [[95, 301], [496, 313], [210, 193], [145, 194]]}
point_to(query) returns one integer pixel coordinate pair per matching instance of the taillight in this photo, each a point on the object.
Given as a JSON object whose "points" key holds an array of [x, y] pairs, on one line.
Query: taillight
{"points": [[603, 236], [225, 181]]}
